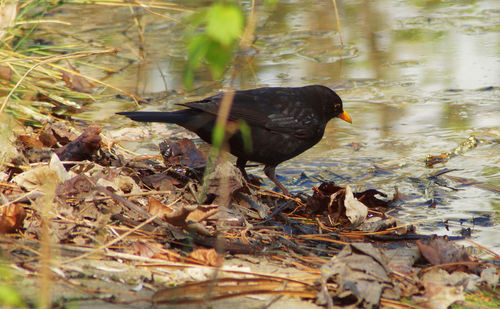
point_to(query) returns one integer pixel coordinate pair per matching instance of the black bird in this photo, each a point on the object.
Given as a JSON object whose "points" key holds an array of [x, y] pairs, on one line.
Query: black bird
{"points": [[283, 122]]}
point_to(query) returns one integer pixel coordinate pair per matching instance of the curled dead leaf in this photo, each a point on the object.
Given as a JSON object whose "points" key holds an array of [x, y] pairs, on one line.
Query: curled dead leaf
{"points": [[443, 251], [156, 207], [83, 147], [355, 211], [5, 72], [29, 141], [11, 218], [182, 153], [207, 257], [77, 82], [225, 179], [36, 178], [179, 215]]}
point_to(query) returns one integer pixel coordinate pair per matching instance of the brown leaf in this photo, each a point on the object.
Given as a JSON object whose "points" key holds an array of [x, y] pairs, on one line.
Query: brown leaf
{"points": [[83, 147], [182, 152], [5, 72], [145, 249], [179, 216], [442, 251], [225, 177], [78, 186], [161, 181], [220, 288], [327, 188], [457, 278], [207, 257], [30, 141], [440, 296], [201, 213], [47, 138], [11, 218], [332, 198], [156, 207], [431, 160], [35, 178], [369, 199], [356, 146], [57, 131], [77, 82], [361, 272], [320, 201], [154, 251], [167, 255]]}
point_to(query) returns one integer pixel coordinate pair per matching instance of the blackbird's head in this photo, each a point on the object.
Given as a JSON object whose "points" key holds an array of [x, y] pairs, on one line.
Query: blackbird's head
{"points": [[331, 104]]}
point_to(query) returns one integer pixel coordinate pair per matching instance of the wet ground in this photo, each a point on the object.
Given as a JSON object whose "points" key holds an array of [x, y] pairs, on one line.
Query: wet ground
{"points": [[417, 77]]}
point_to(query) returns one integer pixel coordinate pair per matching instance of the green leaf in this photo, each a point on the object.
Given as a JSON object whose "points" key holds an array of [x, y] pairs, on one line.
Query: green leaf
{"points": [[213, 47], [9, 296], [224, 23], [246, 135], [189, 78], [197, 49], [218, 136], [218, 57]]}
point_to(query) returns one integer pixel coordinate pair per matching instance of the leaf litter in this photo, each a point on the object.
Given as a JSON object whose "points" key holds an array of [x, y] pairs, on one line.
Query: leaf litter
{"points": [[104, 208]]}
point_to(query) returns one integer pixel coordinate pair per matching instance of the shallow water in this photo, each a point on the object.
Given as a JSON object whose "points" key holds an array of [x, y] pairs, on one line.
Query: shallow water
{"points": [[417, 77]]}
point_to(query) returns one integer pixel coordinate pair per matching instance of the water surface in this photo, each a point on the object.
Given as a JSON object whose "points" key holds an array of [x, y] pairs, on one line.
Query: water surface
{"points": [[417, 77]]}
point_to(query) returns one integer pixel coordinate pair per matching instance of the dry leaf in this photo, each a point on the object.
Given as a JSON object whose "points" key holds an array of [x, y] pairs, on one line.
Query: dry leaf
{"points": [[11, 218], [145, 249], [207, 256], [179, 215], [442, 251], [83, 147], [361, 272], [182, 152], [156, 207], [154, 251], [355, 211], [439, 296], [56, 165], [36, 178], [5, 72], [8, 14], [201, 213], [54, 133], [77, 82], [225, 178], [30, 141]]}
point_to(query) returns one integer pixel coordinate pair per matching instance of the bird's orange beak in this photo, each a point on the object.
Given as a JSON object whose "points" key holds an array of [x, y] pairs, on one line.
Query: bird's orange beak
{"points": [[345, 116]]}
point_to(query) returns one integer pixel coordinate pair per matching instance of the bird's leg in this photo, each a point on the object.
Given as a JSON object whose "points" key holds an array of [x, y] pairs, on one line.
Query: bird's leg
{"points": [[240, 164], [270, 172]]}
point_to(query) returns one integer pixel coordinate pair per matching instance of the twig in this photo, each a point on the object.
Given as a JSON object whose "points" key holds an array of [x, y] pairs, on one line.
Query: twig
{"points": [[338, 21], [149, 220]]}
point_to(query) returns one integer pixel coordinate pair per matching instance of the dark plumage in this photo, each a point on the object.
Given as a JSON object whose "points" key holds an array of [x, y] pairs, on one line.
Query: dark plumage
{"points": [[283, 122]]}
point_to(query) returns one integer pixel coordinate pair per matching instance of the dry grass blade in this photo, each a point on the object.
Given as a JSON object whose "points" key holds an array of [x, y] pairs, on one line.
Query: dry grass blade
{"points": [[114, 241], [337, 19], [323, 238], [496, 255], [228, 287], [49, 60], [8, 14], [140, 4], [32, 77]]}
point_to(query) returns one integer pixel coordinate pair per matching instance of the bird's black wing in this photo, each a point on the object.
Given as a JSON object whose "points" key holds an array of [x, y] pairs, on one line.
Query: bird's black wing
{"points": [[280, 110], [244, 107]]}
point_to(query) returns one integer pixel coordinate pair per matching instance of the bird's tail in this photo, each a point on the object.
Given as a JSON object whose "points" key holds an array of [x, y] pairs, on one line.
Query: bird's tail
{"points": [[177, 117]]}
